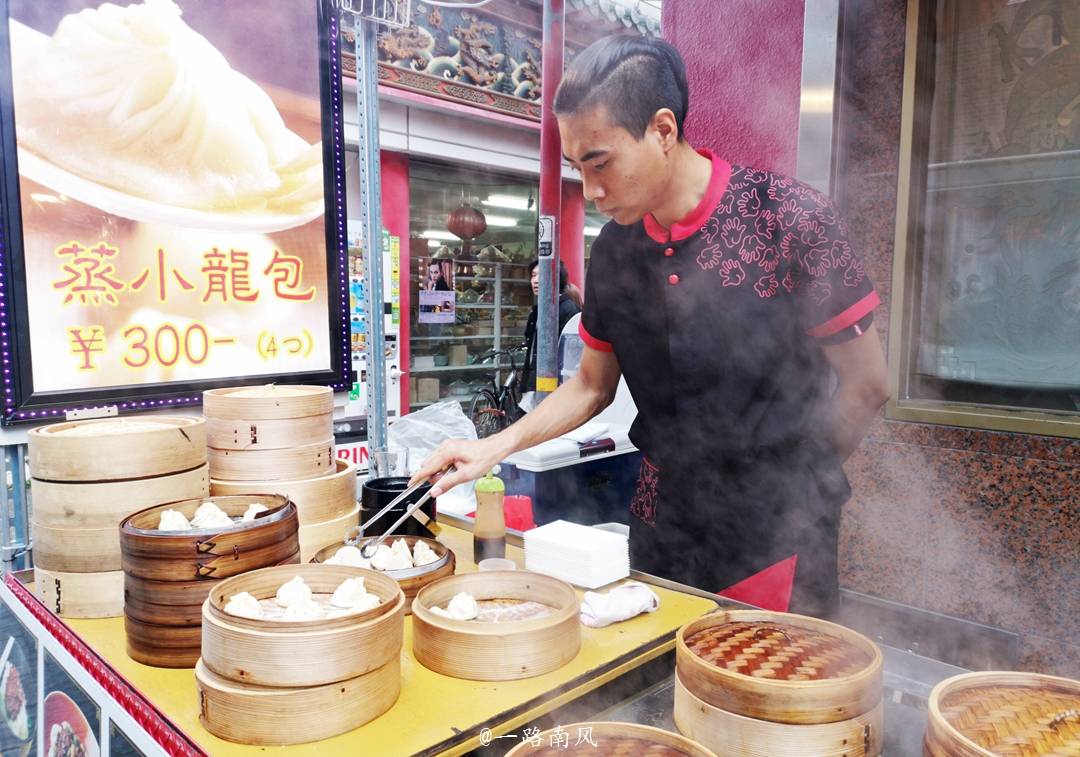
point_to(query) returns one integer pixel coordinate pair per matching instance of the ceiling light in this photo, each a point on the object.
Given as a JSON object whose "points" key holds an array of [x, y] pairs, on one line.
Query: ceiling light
{"points": [[500, 221], [592, 231], [445, 236], [513, 202], [434, 243]]}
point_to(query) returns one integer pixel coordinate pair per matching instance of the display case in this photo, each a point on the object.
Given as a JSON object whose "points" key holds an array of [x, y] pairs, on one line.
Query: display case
{"points": [[492, 303]]}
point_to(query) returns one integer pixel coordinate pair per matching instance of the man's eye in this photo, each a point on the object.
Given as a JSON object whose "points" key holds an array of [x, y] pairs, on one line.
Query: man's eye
{"points": [[599, 166]]}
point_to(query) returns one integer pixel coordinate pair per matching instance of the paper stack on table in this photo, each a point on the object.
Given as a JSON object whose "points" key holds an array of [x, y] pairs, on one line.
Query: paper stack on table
{"points": [[581, 555]]}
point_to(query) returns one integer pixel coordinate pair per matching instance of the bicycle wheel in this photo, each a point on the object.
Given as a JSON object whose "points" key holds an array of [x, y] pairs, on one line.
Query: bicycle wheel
{"points": [[485, 413]]}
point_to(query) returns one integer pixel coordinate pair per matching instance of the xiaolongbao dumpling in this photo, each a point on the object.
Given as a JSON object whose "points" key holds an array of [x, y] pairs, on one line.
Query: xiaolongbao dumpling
{"points": [[293, 592], [244, 605], [173, 520], [133, 98]]}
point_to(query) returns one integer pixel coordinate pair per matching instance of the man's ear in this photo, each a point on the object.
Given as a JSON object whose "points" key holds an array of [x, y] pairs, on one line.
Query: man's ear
{"points": [[666, 128]]}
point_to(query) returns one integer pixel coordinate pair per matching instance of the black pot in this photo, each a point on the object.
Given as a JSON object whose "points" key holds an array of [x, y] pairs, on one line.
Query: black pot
{"points": [[377, 493]]}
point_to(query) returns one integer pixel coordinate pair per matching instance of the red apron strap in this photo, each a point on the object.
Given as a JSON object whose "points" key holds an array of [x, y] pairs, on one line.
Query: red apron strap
{"points": [[769, 589]]}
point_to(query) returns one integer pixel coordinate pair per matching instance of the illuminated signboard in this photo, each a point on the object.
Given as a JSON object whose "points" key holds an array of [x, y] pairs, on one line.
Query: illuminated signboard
{"points": [[173, 201]]}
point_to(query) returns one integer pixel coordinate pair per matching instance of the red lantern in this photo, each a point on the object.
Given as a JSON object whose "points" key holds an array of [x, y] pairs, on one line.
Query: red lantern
{"points": [[468, 223]]}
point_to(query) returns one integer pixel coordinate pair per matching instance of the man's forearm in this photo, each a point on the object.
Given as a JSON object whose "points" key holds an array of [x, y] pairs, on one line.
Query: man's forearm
{"points": [[563, 410], [852, 413]]}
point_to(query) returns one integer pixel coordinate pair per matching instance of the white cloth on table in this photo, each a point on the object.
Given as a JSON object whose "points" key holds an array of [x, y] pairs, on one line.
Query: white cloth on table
{"points": [[621, 603]]}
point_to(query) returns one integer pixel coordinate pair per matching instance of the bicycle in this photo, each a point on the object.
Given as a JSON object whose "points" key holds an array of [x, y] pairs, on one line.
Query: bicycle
{"points": [[494, 408]]}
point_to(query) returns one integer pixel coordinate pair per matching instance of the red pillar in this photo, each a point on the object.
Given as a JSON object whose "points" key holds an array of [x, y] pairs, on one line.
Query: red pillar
{"points": [[745, 75], [395, 218], [572, 232]]}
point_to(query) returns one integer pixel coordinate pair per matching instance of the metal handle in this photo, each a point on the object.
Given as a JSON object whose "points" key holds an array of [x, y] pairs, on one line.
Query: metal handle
{"points": [[372, 544]]}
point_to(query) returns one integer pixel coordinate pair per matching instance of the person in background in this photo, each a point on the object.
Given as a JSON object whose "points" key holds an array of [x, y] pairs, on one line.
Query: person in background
{"points": [[567, 310], [575, 294], [735, 306]]}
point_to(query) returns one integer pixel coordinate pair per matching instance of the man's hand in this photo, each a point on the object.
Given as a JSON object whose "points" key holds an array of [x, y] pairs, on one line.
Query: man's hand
{"points": [[471, 460], [573, 403]]}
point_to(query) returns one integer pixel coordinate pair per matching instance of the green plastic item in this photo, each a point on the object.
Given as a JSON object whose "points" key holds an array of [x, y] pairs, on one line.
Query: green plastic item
{"points": [[490, 484]]}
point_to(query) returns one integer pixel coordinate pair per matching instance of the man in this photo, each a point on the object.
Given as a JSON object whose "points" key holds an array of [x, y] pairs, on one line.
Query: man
{"points": [[732, 302], [567, 310]]}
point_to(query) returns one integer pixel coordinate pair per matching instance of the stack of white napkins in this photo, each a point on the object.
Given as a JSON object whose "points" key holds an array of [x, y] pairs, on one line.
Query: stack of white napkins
{"points": [[581, 555]]}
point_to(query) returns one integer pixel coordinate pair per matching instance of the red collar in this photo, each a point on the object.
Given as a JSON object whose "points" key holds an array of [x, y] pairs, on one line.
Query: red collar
{"points": [[689, 224]]}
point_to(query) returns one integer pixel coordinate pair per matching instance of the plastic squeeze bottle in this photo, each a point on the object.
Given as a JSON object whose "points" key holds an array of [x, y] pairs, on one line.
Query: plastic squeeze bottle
{"points": [[489, 530]]}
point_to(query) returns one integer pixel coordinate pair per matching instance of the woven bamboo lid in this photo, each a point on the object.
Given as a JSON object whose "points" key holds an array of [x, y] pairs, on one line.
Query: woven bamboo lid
{"points": [[778, 666], [1004, 715]]}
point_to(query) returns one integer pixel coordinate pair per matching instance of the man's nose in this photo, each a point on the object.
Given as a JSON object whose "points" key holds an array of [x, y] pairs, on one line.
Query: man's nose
{"points": [[592, 190]]}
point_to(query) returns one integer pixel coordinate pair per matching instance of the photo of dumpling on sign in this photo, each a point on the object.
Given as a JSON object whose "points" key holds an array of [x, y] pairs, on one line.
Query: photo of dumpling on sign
{"points": [[170, 159]]}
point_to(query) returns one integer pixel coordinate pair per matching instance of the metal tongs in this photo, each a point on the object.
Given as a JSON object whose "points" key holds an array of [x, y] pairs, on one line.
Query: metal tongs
{"points": [[367, 549]]}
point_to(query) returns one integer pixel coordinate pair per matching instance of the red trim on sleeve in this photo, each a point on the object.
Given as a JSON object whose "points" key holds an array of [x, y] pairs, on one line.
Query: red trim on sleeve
{"points": [[689, 224], [592, 341], [852, 315]]}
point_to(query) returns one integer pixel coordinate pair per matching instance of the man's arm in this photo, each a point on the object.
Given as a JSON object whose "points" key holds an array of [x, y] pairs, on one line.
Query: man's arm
{"points": [[863, 388], [573, 403]]}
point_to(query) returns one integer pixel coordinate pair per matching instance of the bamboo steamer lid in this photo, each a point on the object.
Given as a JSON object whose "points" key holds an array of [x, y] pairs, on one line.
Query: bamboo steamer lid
{"points": [[106, 503], [317, 499], [735, 735], [610, 738], [81, 595], [1004, 714], [76, 550], [269, 402], [307, 461], [411, 580], [209, 553], [273, 433], [316, 536], [268, 716], [301, 653], [497, 651], [778, 666], [117, 448]]}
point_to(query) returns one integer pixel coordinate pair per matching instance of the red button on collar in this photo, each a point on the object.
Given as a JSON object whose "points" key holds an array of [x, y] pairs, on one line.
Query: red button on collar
{"points": [[673, 279], [669, 252]]}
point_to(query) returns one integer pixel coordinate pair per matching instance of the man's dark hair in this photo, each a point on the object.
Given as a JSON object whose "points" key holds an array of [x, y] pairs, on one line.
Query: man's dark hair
{"points": [[564, 275], [632, 77]]}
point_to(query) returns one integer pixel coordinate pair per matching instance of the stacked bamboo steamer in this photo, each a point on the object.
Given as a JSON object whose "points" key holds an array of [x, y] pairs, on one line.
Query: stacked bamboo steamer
{"points": [[281, 439], [768, 684], [276, 682], [168, 574], [86, 477], [1004, 715]]}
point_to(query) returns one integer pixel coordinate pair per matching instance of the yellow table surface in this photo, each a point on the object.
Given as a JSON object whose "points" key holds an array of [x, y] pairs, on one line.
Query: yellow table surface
{"points": [[435, 713]]}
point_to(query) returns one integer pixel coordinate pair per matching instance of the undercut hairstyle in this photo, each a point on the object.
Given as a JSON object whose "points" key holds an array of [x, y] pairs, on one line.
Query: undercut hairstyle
{"points": [[631, 77]]}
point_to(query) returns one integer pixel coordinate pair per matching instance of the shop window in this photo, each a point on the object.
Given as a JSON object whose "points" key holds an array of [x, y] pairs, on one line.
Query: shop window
{"points": [[986, 318]]}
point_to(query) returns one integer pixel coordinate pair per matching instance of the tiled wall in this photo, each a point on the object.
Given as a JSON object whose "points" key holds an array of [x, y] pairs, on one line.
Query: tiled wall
{"points": [[979, 525]]}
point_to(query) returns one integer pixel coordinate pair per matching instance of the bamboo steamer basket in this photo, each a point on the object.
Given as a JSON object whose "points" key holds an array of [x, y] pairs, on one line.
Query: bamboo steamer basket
{"points": [[106, 503], [307, 461], [734, 735], [273, 433], [117, 448], [610, 738], [268, 716], [209, 553], [1003, 714], [497, 651], [317, 535], [76, 550], [81, 595], [162, 617], [270, 402], [317, 499], [777, 637], [301, 653], [411, 580]]}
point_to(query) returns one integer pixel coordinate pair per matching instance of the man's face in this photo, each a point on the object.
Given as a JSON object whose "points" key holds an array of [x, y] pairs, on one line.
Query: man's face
{"points": [[624, 177], [534, 279]]}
